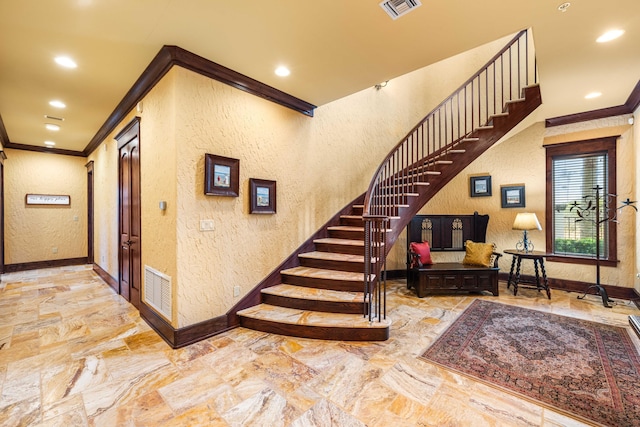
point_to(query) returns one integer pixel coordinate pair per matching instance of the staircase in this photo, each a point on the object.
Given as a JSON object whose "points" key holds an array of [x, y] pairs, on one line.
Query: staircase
{"points": [[323, 297], [334, 287]]}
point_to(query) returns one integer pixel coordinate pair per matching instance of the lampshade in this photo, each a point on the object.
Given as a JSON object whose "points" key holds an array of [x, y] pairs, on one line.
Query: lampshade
{"points": [[526, 221]]}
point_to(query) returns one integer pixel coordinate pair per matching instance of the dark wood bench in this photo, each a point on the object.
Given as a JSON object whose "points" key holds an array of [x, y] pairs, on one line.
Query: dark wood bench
{"points": [[448, 233], [453, 277]]}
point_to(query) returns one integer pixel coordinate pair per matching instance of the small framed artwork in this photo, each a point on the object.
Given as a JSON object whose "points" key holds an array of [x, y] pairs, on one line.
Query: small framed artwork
{"points": [[263, 196], [480, 186], [47, 199], [512, 196], [221, 176]]}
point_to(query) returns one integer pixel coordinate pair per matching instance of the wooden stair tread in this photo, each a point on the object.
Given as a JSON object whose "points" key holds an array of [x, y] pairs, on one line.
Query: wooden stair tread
{"points": [[291, 316], [345, 242], [334, 241], [332, 256], [301, 292], [346, 228], [398, 195], [353, 228], [320, 273]]}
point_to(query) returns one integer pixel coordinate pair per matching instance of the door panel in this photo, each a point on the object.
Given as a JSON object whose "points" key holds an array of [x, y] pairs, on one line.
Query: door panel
{"points": [[89, 167], [135, 258], [129, 217], [125, 221]]}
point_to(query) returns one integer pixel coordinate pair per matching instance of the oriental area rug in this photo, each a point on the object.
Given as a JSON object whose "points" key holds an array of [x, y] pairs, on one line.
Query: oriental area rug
{"points": [[585, 369]]}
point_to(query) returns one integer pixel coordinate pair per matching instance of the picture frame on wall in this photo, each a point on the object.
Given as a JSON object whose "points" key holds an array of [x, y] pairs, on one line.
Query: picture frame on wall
{"points": [[47, 199], [263, 196], [480, 186], [221, 176], [512, 196]]}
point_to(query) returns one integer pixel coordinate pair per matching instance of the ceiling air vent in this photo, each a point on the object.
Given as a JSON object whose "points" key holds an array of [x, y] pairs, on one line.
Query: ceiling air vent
{"points": [[396, 8]]}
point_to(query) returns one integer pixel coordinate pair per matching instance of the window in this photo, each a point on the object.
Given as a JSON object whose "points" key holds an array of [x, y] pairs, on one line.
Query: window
{"points": [[574, 170]]}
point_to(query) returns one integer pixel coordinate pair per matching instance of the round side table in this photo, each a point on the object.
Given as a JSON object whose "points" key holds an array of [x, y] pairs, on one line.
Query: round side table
{"points": [[538, 259]]}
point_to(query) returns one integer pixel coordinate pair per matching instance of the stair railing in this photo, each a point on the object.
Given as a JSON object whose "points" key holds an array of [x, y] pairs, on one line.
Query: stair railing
{"points": [[375, 296], [415, 158]]}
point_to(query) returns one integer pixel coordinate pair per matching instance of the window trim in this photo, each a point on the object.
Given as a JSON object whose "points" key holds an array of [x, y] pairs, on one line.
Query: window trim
{"points": [[591, 146]]}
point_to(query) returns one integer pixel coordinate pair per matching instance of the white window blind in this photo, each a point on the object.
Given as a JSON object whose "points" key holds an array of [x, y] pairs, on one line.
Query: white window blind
{"points": [[574, 180]]}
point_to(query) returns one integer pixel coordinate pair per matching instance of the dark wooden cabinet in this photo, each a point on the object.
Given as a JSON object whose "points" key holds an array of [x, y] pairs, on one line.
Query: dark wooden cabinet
{"points": [[452, 277]]}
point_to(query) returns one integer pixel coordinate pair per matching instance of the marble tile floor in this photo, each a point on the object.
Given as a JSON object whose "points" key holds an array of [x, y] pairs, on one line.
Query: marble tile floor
{"points": [[73, 353]]}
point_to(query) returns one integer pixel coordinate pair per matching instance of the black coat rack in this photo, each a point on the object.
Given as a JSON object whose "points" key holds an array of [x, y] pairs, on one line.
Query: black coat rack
{"points": [[589, 210]]}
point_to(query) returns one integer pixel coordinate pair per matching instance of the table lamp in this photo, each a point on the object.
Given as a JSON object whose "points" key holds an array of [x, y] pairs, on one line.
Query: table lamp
{"points": [[526, 221]]}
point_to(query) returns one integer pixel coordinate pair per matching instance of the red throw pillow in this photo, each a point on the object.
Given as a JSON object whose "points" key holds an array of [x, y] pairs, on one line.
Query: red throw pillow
{"points": [[423, 250]]}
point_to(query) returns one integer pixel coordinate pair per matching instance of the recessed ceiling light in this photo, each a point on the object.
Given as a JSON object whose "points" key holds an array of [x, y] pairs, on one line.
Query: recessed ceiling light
{"points": [[564, 6], [65, 61], [57, 104], [592, 95], [282, 71], [49, 143], [610, 35], [51, 126]]}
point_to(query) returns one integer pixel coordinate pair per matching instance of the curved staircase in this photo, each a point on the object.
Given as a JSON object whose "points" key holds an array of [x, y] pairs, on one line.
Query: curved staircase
{"points": [[329, 289], [323, 297]]}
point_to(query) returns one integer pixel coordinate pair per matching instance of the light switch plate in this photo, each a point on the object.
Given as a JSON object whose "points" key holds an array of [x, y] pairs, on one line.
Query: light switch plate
{"points": [[206, 225]]}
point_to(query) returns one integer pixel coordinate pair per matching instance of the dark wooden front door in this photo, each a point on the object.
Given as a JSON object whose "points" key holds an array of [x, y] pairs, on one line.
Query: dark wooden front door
{"points": [[130, 256]]}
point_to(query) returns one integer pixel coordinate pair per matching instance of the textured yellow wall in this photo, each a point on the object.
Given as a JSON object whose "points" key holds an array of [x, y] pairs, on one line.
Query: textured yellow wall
{"points": [[320, 164], [159, 145], [32, 232], [105, 200], [158, 160], [521, 160]]}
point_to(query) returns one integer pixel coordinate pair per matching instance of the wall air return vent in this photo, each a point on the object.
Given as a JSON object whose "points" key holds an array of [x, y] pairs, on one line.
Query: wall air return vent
{"points": [[396, 8], [157, 291]]}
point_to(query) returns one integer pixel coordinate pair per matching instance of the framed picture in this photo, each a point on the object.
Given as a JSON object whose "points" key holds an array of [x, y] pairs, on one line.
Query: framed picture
{"points": [[480, 186], [263, 196], [47, 199], [512, 196], [221, 176]]}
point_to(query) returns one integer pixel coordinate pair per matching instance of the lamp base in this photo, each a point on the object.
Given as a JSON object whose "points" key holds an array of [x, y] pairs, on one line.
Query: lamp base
{"points": [[602, 292], [525, 244]]}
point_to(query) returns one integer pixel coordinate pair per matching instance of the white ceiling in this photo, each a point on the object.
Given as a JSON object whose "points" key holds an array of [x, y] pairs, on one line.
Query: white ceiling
{"points": [[333, 48]]}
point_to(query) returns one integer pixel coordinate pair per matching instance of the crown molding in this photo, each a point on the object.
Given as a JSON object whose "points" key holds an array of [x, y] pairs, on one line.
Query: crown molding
{"points": [[167, 57], [39, 149], [628, 107]]}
